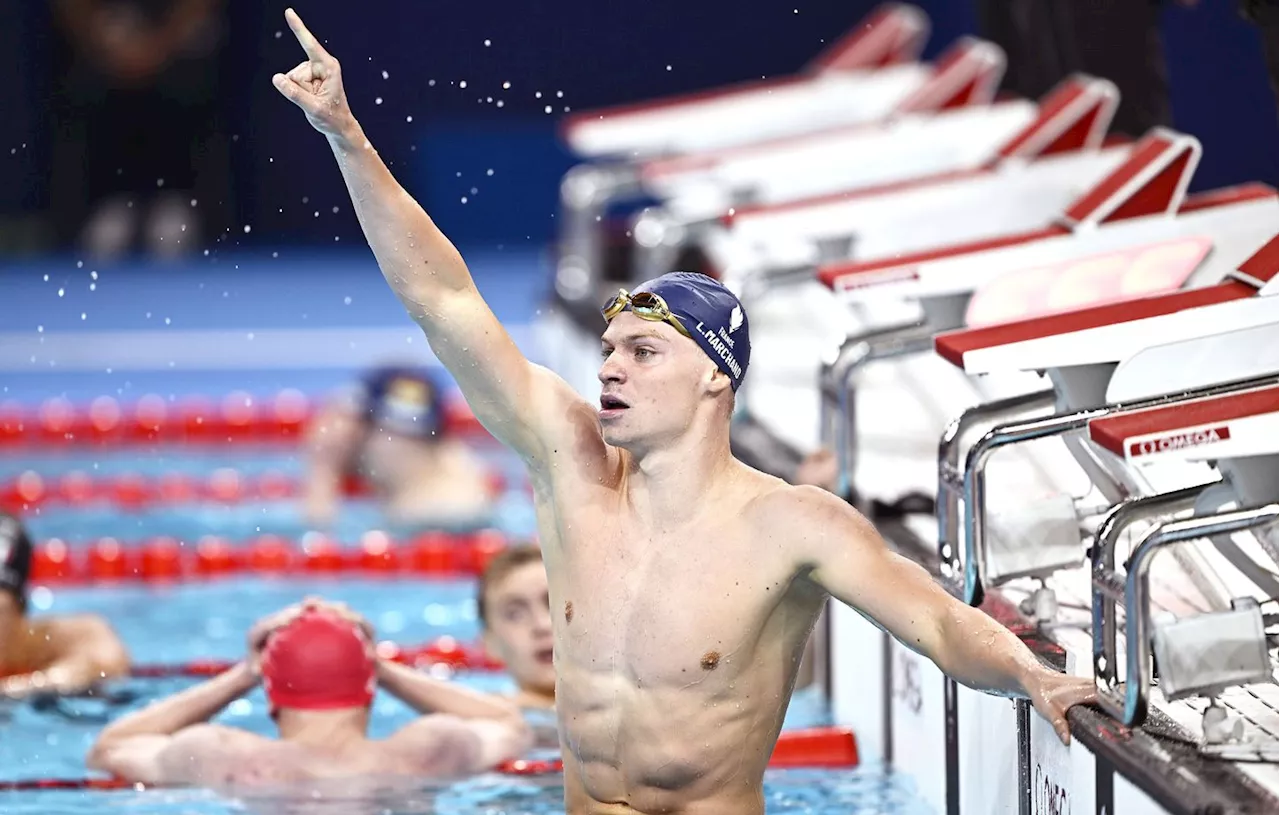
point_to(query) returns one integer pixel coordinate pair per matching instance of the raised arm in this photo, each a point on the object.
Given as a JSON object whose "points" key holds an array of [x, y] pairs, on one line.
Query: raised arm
{"points": [[841, 551], [167, 742], [520, 403], [481, 729]]}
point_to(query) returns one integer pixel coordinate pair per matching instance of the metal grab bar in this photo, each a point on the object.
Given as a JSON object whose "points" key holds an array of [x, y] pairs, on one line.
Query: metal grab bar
{"points": [[973, 478], [1105, 539], [1135, 591], [950, 477], [836, 382]]}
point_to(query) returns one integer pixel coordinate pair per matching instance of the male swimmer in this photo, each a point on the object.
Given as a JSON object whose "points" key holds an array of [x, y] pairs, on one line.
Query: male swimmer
{"points": [[683, 584], [57, 655], [391, 433], [318, 667], [514, 606]]}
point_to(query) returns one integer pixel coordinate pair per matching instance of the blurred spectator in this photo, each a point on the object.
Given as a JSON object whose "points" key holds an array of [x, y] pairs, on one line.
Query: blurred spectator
{"points": [[139, 161], [1048, 40], [1262, 13], [391, 433]]}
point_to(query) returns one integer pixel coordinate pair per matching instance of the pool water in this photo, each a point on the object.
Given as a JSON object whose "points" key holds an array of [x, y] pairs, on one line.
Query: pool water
{"points": [[177, 624]]}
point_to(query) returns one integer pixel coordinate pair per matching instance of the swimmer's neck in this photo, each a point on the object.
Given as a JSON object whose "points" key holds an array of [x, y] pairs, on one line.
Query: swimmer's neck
{"points": [[530, 698], [661, 483], [323, 729]]}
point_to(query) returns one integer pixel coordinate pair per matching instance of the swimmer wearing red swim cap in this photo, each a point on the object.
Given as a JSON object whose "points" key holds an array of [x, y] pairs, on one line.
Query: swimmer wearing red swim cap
{"points": [[390, 433], [683, 583], [60, 655], [318, 667]]}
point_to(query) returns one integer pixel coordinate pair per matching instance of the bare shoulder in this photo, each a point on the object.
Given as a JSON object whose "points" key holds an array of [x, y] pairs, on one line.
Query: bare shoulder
{"points": [[77, 627], [803, 515], [438, 743]]}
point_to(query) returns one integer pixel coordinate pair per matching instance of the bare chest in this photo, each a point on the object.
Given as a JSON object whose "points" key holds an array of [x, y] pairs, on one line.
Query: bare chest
{"points": [[664, 608]]}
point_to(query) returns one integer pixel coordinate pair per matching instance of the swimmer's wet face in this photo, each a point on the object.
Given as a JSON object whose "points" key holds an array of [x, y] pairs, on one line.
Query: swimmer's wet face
{"points": [[677, 342], [318, 662], [516, 613], [651, 381]]}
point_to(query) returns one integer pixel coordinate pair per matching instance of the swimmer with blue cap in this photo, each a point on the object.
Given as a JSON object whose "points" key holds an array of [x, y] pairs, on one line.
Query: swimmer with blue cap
{"points": [[683, 584], [390, 433], [319, 669], [60, 655]]}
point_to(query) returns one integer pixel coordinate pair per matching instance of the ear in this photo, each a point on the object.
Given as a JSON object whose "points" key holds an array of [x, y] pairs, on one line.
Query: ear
{"points": [[719, 382]]}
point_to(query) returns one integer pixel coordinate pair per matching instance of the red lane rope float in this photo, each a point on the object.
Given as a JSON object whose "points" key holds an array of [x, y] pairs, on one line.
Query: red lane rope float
{"points": [[130, 491], [819, 747], [446, 651], [168, 560], [237, 417]]}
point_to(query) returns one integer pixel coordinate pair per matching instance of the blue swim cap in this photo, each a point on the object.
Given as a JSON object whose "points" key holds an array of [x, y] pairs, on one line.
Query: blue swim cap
{"points": [[407, 401], [713, 316]]}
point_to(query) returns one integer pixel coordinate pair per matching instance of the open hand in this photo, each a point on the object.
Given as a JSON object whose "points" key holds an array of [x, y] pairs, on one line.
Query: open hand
{"points": [[316, 84], [1053, 694]]}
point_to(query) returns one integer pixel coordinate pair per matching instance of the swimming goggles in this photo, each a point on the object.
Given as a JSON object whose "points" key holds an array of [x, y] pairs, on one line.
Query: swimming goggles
{"points": [[645, 305]]}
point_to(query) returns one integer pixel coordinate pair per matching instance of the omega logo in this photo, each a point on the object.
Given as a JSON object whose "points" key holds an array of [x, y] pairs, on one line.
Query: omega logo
{"points": [[1050, 799], [908, 684]]}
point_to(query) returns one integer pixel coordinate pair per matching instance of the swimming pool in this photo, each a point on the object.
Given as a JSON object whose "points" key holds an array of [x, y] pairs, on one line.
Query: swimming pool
{"points": [[206, 619], [177, 624]]}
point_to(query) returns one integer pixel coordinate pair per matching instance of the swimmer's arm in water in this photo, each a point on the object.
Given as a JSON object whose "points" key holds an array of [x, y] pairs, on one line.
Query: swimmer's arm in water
{"points": [[86, 650], [840, 551], [331, 443], [477, 729], [164, 742], [517, 401]]}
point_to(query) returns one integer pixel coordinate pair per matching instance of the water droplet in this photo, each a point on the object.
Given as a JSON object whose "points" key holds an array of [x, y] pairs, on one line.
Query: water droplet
{"points": [[559, 94], [378, 101], [386, 75], [489, 171], [79, 264], [61, 292], [46, 278], [501, 103], [506, 86], [462, 84], [346, 301], [335, 210], [668, 67], [537, 94], [247, 228], [487, 43], [93, 275], [159, 182], [83, 316], [547, 109], [408, 118], [93, 287], [464, 199], [39, 329], [431, 83], [167, 321]]}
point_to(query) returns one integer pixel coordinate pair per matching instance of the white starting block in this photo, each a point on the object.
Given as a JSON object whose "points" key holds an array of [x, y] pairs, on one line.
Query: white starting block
{"points": [[707, 186], [1079, 350], [1143, 203], [1013, 197], [869, 74]]}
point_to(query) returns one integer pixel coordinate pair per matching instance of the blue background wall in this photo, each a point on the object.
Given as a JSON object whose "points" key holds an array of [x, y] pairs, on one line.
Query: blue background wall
{"points": [[594, 53]]}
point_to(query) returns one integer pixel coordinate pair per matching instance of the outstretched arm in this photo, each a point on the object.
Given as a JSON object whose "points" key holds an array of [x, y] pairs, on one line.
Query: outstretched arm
{"points": [[841, 551], [87, 651], [515, 400], [162, 743]]}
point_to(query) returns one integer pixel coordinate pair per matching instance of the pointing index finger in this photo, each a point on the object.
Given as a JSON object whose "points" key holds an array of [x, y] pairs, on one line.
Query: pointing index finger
{"points": [[308, 42]]}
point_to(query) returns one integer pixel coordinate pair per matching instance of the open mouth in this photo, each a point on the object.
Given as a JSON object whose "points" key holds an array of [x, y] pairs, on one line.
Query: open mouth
{"points": [[612, 403], [545, 656]]}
